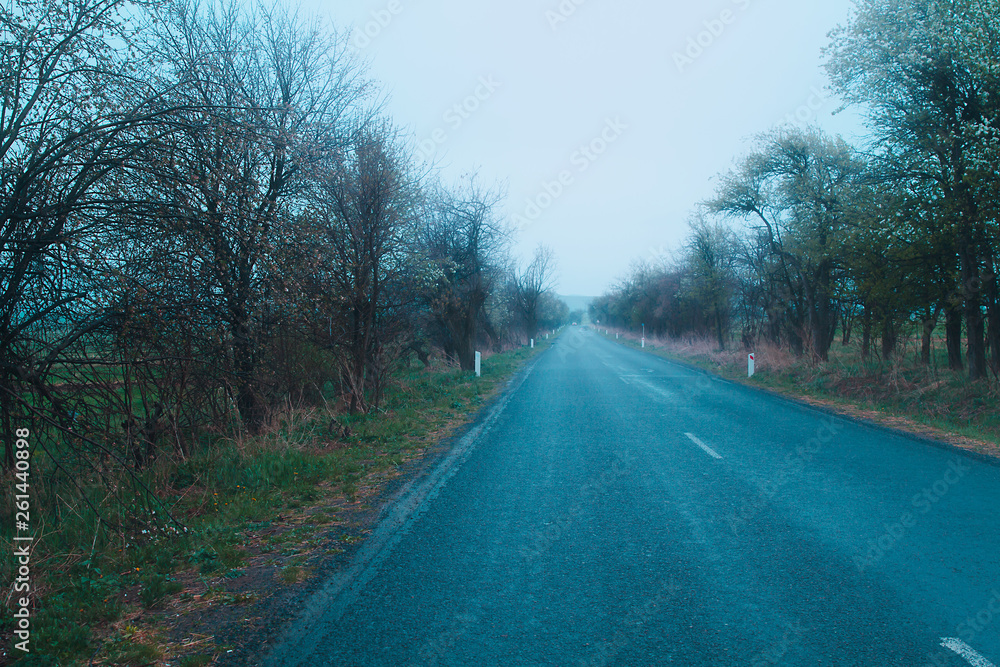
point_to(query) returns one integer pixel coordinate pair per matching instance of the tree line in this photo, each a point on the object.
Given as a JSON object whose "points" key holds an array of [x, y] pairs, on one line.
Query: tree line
{"points": [[205, 214], [808, 237]]}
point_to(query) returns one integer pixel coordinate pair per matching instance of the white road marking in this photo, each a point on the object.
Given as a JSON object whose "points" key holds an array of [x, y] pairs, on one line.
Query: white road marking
{"points": [[708, 450], [966, 651], [654, 389]]}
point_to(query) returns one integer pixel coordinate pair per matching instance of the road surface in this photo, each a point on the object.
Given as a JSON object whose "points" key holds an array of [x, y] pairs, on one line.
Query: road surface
{"points": [[618, 509]]}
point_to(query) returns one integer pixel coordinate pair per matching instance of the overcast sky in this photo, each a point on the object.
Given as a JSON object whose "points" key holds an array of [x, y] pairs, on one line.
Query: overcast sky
{"points": [[612, 118]]}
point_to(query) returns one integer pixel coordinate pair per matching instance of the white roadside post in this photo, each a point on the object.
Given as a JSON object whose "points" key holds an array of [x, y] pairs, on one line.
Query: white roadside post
{"points": [[532, 343], [479, 364], [750, 363]]}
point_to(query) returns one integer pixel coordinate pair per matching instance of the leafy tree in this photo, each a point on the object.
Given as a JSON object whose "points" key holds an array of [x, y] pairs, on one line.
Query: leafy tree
{"points": [[926, 73], [799, 185]]}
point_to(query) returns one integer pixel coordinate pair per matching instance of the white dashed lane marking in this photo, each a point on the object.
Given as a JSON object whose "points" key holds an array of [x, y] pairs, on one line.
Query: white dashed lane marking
{"points": [[708, 450], [966, 651]]}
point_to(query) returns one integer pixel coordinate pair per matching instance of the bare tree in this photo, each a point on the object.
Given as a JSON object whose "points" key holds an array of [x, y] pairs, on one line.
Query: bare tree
{"points": [[72, 114], [361, 221], [467, 246], [530, 285], [711, 258], [268, 96]]}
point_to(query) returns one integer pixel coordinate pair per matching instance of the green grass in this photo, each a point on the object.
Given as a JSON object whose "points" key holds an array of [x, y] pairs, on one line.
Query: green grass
{"points": [[195, 661], [126, 647], [228, 489]]}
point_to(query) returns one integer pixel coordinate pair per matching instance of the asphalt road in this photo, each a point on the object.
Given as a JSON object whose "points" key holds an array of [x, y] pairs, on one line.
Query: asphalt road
{"points": [[619, 509]]}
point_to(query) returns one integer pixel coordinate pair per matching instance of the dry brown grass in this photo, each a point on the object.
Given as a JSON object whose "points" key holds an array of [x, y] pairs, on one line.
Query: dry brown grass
{"points": [[930, 400], [768, 357]]}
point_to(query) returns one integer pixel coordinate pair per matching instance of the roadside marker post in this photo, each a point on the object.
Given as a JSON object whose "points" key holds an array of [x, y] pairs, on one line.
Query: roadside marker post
{"points": [[750, 364], [479, 364], [532, 343]]}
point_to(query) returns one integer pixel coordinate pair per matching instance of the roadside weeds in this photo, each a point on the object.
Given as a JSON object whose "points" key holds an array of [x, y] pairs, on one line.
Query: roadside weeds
{"points": [[267, 518]]}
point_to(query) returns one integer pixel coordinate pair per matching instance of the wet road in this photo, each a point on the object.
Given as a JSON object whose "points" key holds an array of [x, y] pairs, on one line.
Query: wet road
{"points": [[615, 508]]}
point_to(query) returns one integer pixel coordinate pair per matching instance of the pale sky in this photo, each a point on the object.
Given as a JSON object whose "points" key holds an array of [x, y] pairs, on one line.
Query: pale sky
{"points": [[617, 100]]}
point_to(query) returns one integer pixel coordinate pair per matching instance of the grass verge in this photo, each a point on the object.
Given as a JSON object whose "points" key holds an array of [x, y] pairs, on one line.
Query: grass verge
{"points": [[262, 515]]}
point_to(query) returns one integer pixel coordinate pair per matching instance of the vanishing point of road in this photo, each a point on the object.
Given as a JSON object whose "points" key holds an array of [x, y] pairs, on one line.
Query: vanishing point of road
{"points": [[614, 508]]}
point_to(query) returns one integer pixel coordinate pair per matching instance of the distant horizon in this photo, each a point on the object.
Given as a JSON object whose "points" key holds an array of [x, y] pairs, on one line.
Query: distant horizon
{"points": [[608, 123], [577, 302]]}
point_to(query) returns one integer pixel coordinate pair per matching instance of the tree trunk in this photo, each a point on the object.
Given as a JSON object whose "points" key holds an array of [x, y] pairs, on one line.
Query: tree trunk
{"points": [[248, 400], [928, 324], [866, 334], [465, 346], [795, 341], [976, 340], [718, 329], [360, 360], [953, 335], [848, 320], [992, 293], [6, 408], [974, 324], [821, 312], [532, 326], [889, 334], [462, 327]]}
